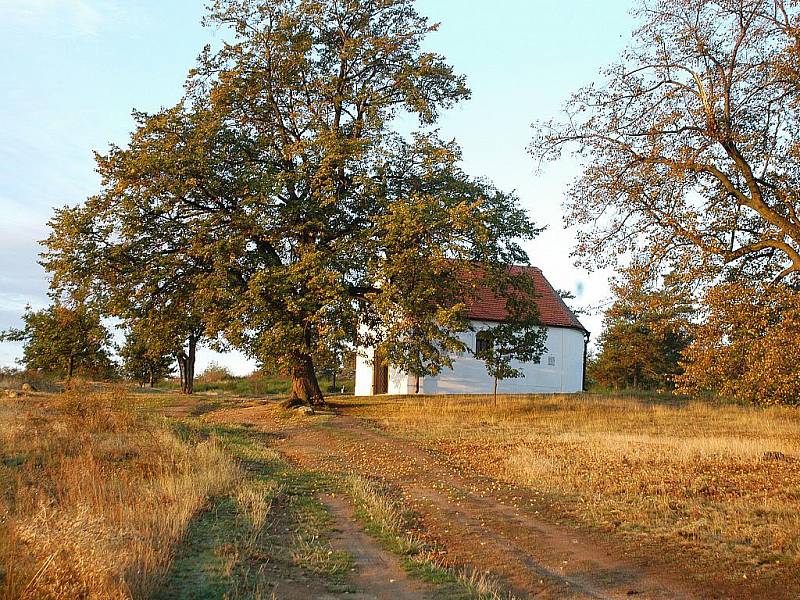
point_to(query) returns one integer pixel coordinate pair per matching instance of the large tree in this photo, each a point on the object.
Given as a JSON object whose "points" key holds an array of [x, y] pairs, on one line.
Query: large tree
{"points": [[690, 147], [65, 340], [278, 194]]}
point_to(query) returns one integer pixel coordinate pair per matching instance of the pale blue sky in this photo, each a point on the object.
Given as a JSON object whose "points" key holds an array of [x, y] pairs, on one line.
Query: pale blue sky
{"points": [[73, 69]]}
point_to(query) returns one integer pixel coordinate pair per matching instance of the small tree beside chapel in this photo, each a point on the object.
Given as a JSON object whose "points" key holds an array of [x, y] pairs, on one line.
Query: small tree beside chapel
{"points": [[519, 338]]}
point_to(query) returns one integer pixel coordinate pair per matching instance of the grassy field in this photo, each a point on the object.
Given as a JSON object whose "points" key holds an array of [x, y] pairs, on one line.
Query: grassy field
{"points": [[723, 480], [93, 495], [113, 494], [101, 499]]}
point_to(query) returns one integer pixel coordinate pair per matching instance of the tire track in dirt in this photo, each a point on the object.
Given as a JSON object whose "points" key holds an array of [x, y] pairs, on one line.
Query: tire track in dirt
{"points": [[534, 558], [378, 574]]}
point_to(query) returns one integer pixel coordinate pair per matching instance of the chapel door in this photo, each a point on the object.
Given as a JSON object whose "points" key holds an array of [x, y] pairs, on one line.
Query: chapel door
{"points": [[380, 374]]}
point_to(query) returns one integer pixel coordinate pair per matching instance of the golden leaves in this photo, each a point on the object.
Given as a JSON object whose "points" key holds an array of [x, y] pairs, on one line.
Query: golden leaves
{"points": [[749, 347]]}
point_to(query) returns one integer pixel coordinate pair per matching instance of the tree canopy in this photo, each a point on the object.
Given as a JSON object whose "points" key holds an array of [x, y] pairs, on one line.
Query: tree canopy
{"points": [[146, 359], [276, 209], [689, 148], [746, 347], [64, 340], [690, 163], [645, 330]]}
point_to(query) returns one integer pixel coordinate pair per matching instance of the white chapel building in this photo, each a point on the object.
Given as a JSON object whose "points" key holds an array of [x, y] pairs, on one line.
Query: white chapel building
{"points": [[561, 368]]}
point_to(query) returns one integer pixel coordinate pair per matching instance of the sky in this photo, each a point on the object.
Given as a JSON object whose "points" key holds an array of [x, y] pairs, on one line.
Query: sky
{"points": [[73, 70]]}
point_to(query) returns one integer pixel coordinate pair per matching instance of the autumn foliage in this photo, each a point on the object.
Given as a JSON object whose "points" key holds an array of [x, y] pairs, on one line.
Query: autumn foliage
{"points": [[690, 162], [645, 331], [747, 348], [276, 208]]}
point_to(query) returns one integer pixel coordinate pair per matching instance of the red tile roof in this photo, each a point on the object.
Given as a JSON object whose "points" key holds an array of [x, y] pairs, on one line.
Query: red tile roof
{"points": [[552, 309]]}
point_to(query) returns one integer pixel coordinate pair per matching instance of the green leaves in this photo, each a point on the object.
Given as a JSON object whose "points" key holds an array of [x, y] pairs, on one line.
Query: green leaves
{"points": [[646, 330], [148, 355], [64, 340]]}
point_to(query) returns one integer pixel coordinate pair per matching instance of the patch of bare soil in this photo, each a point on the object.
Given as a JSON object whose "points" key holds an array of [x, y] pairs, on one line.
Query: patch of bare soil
{"points": [[482, 529], [286, 580], [378, 574]]}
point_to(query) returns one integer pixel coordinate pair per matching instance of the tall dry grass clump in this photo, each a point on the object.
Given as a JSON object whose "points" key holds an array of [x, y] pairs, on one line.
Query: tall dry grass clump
{"points": [[94, 496]]}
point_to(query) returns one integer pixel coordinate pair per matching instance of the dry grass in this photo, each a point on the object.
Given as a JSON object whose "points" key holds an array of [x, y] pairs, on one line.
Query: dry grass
{"points": [[384, 516], [254, 499], [93, 497], [722, 479], [11, 379]]}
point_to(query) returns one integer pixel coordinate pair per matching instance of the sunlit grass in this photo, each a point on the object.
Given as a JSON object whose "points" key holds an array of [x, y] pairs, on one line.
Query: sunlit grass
{"points": [[93, 496], [384, 518], [722, 478]]}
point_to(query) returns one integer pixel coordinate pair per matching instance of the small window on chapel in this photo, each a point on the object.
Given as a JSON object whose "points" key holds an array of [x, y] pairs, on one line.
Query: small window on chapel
{"points": [[551, 361], [483, 342]]}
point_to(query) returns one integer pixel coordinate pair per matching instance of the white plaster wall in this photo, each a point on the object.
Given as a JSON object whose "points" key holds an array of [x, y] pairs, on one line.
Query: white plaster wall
{"points": [[398, 382], [364, 358], [469, 375]]}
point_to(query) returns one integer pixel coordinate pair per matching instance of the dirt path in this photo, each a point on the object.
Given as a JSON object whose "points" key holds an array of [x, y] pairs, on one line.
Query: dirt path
{"points": [[378, 574], [481, 523], [483, 528]]}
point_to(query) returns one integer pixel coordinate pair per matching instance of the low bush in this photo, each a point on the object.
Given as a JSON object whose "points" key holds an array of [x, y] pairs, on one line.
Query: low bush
{"points": [[214, 373], [40, 381]]}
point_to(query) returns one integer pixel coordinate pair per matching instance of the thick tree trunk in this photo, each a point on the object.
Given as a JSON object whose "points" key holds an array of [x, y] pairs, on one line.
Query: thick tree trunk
{"points": [[186, 366], [333, 383], [151, 379], [189, 383], [70, 368], [181, 356], [305, 387], [495, 391], [416, 388]]}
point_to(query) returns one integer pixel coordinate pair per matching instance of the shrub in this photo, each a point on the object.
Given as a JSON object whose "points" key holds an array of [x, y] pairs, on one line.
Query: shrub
{"points": [[215, 372], [41, 381]]}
